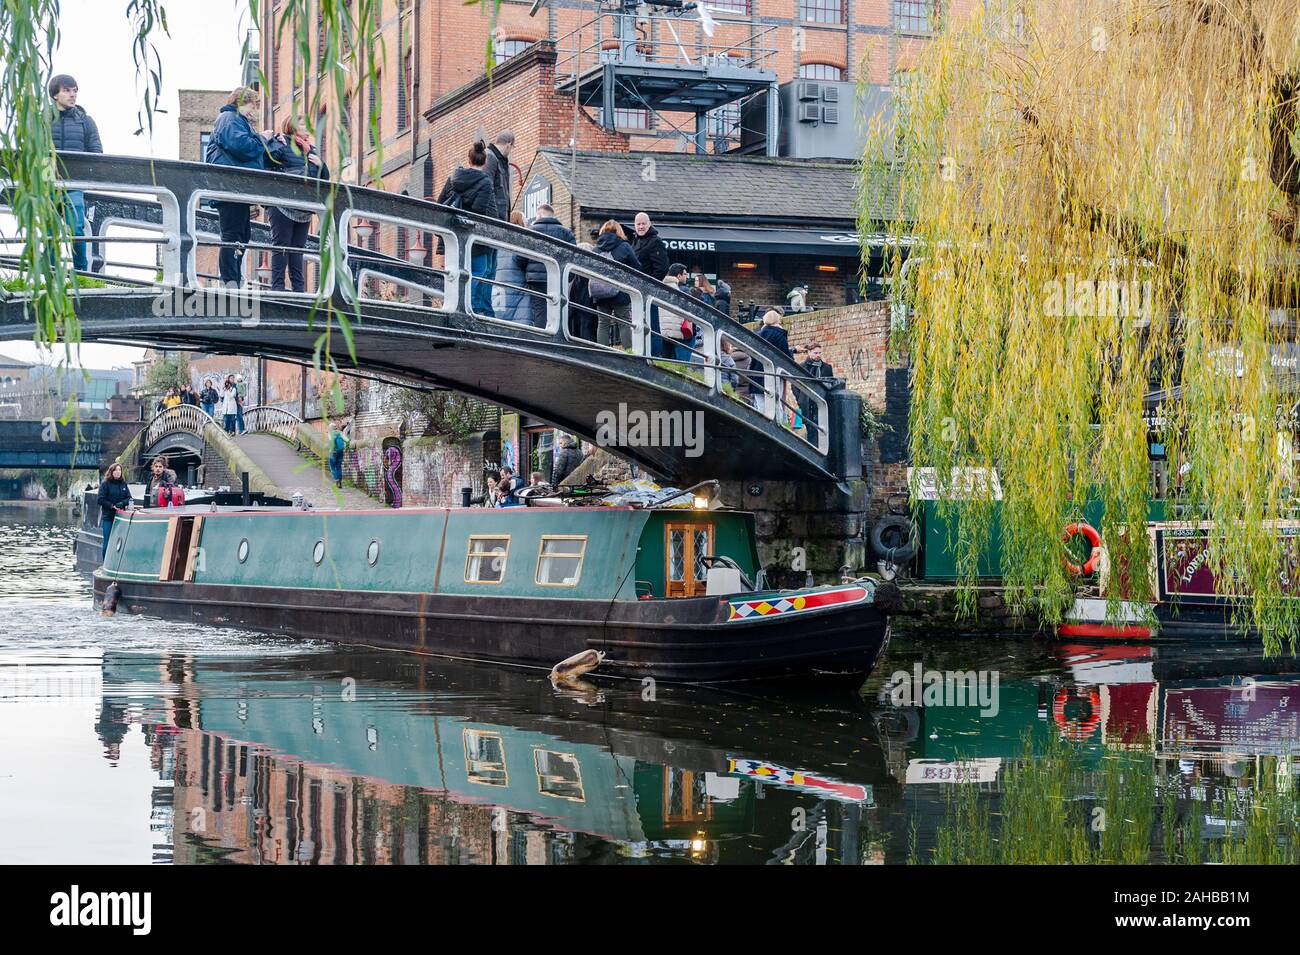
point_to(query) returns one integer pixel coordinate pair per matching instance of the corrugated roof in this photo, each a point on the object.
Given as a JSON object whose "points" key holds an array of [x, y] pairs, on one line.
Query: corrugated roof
{"points": [[691, 185]]}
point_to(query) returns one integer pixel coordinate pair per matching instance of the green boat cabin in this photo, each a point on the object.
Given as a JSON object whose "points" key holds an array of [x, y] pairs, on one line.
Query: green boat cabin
{"points": [[576, 553]]}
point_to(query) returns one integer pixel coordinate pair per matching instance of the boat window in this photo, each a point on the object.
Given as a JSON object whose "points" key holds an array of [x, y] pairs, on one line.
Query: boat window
{"points": [[242, 551], [559, 561], [372, 553], [318, 552], [486, 561], [485, 758], [559, 775]]}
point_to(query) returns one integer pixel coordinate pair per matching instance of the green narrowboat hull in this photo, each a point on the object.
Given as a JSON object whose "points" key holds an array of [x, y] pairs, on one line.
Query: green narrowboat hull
{"points": [[524, 586]]}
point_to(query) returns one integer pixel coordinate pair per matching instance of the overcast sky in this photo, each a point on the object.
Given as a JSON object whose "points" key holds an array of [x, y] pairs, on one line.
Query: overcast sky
{"points": [[207, 37]]}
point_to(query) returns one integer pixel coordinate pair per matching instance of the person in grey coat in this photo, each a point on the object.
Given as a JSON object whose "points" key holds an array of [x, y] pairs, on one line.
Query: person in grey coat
{"points": [[73, 130]]}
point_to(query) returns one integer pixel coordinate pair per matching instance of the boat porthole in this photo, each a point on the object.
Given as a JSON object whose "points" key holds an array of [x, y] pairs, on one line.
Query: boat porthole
{"points": [[318, 552], [118, 546], [242, 553], [372, 553]]}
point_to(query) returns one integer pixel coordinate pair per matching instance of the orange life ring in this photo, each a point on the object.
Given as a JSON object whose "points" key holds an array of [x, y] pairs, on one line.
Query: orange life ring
{"points": [[1093, 538], [1074, 727]]}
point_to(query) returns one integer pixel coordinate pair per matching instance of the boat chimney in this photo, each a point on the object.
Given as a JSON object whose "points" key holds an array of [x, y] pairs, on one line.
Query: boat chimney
{"points": [[243, 480]]}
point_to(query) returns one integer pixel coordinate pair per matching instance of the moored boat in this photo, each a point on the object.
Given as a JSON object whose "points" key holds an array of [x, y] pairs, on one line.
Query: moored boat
{"points": [[663, 592], [1189, 599]]}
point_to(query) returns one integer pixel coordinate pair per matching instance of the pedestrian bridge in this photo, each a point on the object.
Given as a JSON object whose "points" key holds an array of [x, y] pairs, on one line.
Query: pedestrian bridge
{"points": [[47, 443], [422, 318]]}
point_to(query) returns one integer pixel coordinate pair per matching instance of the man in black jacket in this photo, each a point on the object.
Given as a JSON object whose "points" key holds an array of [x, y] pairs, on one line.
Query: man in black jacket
{"points": [[498, 170], [813, 367], [535, 276], [649, 248], [653, 256], [73, 130]]}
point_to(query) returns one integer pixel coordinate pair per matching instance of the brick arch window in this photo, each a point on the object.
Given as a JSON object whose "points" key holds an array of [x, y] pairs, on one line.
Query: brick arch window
{"points": [[820, 71], [513, 46]]}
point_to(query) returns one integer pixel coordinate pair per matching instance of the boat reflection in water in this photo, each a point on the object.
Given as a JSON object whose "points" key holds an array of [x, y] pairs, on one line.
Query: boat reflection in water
{"points": [[367, 759], [354, 757], [1197, 740]]}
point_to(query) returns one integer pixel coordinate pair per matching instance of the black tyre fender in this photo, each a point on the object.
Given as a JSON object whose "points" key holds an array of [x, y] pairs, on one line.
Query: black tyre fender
{"points": [[893, 527]]}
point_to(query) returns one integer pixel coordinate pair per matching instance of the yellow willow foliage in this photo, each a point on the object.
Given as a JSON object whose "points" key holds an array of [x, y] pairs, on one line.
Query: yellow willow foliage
{"points": [[1103, 199]]}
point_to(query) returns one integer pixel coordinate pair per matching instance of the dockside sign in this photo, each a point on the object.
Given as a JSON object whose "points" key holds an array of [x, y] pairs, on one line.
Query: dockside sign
{"points": [[536, 195]]}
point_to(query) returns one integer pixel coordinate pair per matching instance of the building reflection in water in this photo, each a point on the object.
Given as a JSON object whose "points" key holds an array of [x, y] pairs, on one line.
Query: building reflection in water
{"points": [[266, 762]]}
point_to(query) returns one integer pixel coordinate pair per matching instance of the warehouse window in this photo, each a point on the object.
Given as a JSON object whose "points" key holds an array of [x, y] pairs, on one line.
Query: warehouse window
{"points": [[914, 16], [821, 11]]}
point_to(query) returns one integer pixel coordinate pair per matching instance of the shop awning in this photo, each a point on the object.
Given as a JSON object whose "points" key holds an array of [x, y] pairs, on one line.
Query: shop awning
{"points": [[759, 241]]}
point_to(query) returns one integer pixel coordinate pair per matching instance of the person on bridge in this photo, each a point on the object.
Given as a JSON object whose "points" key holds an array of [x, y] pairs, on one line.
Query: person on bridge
{"points": [[508, 297], [547, 225], [234, 142], [498, 170], [229, 404], [73, 129], [773, 333], [114, 499], [208, 398], [653, 256], [292, 152], [469, 188], [610, 300], [241, 394]]}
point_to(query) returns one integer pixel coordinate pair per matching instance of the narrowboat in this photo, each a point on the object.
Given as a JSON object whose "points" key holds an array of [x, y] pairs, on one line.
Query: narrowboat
{"points": [[1189, 599], [662, 592]]}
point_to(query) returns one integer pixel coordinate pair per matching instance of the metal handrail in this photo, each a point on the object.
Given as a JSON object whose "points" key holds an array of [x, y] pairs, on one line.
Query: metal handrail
{"points": [[188, 418], [758, 47], [172, 192], [268, 419]]}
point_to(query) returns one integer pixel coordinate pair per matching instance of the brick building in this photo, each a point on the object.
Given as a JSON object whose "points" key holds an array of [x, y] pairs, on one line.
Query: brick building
{"points": [[763, 225]]}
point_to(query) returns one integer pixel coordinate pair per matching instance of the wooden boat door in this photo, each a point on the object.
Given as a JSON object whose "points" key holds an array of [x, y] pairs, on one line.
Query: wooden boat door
{"points": [[684, 547], [181, 548]]}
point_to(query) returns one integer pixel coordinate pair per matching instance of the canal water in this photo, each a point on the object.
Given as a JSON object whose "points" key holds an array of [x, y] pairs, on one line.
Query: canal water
{"points": [[130, 740]]}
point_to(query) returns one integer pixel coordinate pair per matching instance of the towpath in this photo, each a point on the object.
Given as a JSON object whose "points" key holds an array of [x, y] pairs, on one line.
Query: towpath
{"points": [[295, 472]]}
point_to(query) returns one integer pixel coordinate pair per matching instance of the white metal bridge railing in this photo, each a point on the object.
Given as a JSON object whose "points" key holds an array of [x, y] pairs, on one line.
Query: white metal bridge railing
{"points": [[455, 268]]}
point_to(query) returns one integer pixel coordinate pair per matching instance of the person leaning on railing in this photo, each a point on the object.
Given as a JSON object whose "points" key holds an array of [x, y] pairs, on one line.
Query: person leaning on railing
{"points": [[73, 129], [292, 152], [234, 142]]}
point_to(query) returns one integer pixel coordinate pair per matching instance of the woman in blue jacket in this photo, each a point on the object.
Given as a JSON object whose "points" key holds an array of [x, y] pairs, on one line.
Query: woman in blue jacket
{"points": [[234, 142]]}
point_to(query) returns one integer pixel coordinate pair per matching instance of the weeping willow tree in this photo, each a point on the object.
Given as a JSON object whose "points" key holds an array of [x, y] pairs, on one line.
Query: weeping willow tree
{"points": [[1103, 196]]}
